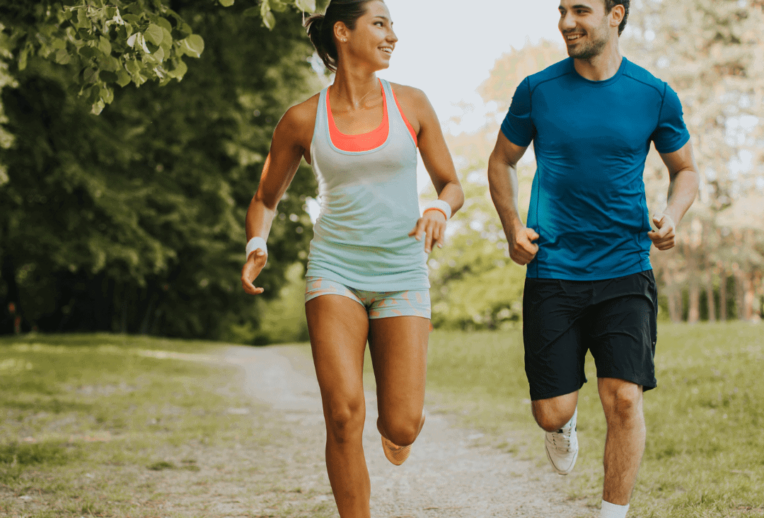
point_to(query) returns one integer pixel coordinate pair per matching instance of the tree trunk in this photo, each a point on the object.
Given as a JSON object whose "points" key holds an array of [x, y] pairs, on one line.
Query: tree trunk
{"points": [[739, 295], [749, 297], [723, 295], [693, 315], [710, 293]]}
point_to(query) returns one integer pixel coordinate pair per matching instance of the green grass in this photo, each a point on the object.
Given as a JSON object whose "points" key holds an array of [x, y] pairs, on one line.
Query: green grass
{"points": [[108, 426], [705, 446]]}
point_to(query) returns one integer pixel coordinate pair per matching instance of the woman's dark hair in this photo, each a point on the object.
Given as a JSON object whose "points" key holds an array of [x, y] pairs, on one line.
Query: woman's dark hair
{"points": [[321, 27], [610, 4]]}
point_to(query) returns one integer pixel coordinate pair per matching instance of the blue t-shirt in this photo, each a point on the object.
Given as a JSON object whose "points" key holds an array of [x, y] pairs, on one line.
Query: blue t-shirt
{"points": [[591, 140]]}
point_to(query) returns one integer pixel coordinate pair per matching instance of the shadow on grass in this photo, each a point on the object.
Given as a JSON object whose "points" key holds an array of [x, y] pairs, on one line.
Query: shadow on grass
{"points": [[20, 454]]}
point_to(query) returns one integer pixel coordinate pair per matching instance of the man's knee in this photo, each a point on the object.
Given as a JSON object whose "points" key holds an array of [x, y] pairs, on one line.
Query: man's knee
{"points": [[622, 400], [344, 418], [552, 417]]}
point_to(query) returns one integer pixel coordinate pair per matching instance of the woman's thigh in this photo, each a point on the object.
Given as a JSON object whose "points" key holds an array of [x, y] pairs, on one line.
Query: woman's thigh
{"points": [[338, 328], [398, 349]]}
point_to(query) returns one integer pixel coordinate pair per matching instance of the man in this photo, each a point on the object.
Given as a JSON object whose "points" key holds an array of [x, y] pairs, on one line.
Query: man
{"points": [[587, 244]]}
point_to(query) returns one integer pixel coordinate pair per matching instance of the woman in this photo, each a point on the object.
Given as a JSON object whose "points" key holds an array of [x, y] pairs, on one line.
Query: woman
{"points": [[367, 274]]}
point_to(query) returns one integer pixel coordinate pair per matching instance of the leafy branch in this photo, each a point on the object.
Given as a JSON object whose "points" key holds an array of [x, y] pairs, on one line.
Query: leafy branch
{"points": [[113, 42]]}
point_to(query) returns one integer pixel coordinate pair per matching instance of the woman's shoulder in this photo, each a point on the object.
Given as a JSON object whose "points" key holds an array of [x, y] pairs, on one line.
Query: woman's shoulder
{"points": [[302, 114], [408, 93]]}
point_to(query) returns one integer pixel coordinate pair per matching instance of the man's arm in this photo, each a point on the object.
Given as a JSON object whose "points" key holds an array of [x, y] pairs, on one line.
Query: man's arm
{"points": [[683, 189], [502, 180]]}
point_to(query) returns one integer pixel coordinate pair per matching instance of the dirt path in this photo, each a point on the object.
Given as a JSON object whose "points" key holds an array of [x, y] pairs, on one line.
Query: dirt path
{"points": [[447, 476]]}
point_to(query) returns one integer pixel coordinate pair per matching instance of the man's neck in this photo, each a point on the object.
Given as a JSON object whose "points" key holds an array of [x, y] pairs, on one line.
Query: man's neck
{"points": [[601, 67]]}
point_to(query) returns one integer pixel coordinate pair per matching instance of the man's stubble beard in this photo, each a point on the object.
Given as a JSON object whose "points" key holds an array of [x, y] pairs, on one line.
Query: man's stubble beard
{"points": [[593, 49]]}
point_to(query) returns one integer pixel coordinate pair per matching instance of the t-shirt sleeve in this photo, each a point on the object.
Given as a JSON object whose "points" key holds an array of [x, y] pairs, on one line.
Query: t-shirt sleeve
{"points": [[671, 133], [518, 126]]}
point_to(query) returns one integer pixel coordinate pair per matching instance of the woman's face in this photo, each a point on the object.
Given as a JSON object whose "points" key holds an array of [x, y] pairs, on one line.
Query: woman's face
{"points": [[373, 39]]}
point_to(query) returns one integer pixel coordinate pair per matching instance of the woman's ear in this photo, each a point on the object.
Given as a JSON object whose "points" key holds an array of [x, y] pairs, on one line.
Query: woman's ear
{"points": [[341, 32]]}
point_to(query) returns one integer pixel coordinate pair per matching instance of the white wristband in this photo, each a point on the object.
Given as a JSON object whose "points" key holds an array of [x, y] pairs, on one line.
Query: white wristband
{"points": [[254, 244], [440, 205]]}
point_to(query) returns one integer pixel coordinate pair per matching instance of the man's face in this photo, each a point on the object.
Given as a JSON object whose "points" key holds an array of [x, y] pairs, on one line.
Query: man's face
{"points": [[585, 27]]}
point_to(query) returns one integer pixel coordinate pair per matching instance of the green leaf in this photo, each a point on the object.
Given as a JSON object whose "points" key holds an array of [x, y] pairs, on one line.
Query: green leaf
{"points": [[62, 57], [90, 75], [166, 40], [98, 107], [123, 78], [23, 59], [164, 23], [269, 20], [154, 34], [107, 95], [278, 5], [194, 46], [252, 12], [104, 46], [179, 71], [83, 22], [306, 5], [265, 12], [132, 18], [226, 3]]}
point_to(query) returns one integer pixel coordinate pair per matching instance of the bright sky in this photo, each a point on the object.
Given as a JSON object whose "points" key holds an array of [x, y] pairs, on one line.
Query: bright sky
{"points": [[448, 47]]}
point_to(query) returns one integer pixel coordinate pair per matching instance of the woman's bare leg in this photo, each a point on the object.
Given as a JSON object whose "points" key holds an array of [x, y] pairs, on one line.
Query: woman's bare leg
{"points": [[338, 329], [399, 355]]}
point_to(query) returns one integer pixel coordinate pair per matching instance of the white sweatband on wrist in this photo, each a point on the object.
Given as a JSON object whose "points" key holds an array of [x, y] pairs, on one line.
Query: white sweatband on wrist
{"points": [[254, 244], [440, 205]]}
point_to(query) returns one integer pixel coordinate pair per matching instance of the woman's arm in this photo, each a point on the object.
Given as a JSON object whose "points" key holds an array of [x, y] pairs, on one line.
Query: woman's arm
{"points": [[437, 160], [280, 167]]}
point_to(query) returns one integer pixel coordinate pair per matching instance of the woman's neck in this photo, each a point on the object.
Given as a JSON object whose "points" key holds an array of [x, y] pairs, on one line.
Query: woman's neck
{"points": [[355, 87]]}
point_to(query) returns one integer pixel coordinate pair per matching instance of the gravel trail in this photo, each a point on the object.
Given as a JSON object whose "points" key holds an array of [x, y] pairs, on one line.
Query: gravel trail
{"points": [[449, 475]]}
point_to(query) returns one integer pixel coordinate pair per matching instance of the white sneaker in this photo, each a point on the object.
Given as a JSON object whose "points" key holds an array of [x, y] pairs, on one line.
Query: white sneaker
{"points": [[562, 447]]}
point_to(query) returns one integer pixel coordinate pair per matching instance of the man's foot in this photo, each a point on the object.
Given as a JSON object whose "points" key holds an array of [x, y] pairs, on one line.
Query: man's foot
{"points": [[397, 454], [562, 447]]}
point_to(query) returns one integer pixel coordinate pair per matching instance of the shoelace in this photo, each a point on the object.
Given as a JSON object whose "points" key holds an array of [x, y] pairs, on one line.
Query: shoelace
{"points": [[565, 438]]}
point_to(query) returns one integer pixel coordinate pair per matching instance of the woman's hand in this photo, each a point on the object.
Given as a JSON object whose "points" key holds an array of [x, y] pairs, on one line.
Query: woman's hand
{"points": [[433, 225], [252, 268]]}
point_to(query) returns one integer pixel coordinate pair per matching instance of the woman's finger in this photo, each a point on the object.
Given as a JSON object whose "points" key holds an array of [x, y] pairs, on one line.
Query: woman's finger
{"points": [[418, 229], [428, 238], [437, 236]]}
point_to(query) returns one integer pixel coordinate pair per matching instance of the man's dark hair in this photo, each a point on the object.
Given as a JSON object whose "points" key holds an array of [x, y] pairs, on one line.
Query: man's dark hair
{"points": [[609, 4]]}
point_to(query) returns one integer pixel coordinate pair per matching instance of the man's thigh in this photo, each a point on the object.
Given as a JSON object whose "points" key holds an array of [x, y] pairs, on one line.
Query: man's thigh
{"points": [[621, 330], [554, 349]]}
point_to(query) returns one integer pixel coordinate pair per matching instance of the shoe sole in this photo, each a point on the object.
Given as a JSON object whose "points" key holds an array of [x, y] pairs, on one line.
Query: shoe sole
{"points": [[397, 455]]}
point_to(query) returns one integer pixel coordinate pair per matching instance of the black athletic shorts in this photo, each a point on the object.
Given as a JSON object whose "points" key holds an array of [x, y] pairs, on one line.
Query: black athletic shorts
{"points": [[615, 319]]}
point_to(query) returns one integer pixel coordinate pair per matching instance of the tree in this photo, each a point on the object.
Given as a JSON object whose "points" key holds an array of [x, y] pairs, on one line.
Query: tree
{"points": [[136, 216]]}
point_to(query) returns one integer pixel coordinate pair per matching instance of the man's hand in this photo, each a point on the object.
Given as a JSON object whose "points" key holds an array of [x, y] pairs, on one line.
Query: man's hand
{"points": [[433, 225], [664, 237], [252, 268], [522, 249]]}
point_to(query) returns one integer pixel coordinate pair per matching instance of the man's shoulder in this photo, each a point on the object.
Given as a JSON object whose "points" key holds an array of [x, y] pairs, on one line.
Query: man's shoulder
{"points": [[550, 73], [643, 77]]}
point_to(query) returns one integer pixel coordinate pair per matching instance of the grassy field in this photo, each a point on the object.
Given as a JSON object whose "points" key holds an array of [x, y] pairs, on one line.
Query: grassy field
{"points": [[705, 446], [104, 426]]}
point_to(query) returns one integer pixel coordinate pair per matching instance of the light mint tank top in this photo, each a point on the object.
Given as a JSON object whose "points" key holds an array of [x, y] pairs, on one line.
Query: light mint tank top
{"points": [[369, 205]]}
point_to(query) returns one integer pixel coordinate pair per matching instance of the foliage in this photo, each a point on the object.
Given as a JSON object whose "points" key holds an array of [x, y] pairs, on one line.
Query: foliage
{"points": [[137, 215], [111, 43], [475, 283]]}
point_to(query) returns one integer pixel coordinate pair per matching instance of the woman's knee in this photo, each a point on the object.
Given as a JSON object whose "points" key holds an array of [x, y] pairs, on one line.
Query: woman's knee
{"points": [[345, 418], [401, 430]]}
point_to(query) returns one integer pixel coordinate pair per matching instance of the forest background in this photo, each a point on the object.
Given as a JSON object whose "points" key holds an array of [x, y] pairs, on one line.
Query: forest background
{"points": [[123, 190]]}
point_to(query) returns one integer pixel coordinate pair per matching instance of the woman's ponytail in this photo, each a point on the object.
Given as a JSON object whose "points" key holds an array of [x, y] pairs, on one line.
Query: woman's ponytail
{"points": [[322, 40], [321, 27]]}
